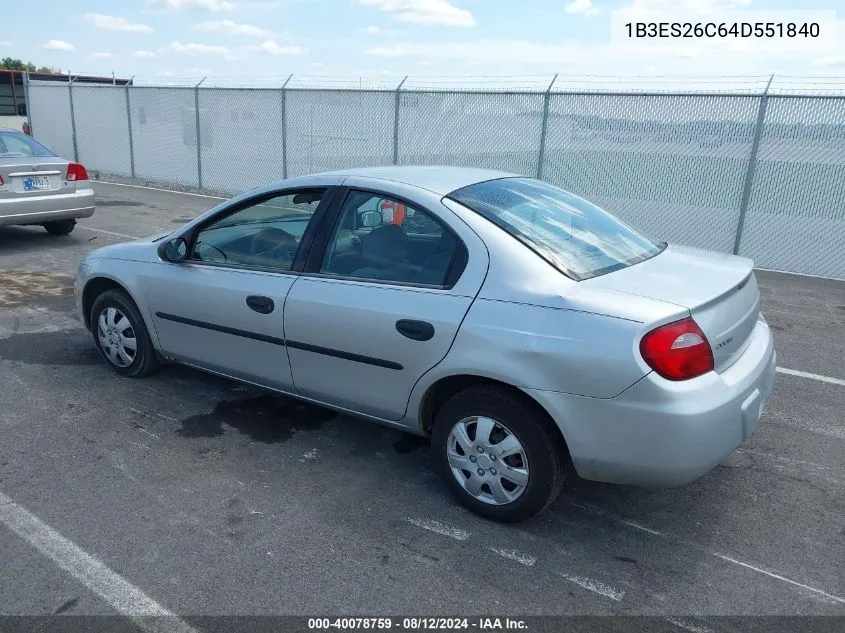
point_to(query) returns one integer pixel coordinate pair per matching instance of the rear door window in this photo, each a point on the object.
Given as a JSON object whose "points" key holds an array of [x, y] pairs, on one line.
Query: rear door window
{"points": [[378, 238], [577, 237]]}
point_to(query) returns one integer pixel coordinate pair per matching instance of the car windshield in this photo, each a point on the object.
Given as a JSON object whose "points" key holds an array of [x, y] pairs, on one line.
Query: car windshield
{"points": [[17, 144], [577, 237]]}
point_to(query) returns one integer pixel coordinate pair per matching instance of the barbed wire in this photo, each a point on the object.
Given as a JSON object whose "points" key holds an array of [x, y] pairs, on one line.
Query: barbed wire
{"points": [[736, 84]]}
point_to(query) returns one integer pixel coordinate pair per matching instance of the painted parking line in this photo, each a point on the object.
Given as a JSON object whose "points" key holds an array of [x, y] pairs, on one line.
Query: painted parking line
{"points": [[831, 597], [593, 509], [596, 586], [104, 232], [118, 592], [523, 559], [181, 193], [441, 528], [804, 374]]}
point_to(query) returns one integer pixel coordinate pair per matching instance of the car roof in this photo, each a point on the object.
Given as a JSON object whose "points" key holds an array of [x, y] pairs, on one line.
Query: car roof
{"points": [[439, 179]]}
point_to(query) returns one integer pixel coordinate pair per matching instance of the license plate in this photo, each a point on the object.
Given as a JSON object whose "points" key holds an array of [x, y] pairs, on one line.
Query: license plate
{"points": [[34, 183]]}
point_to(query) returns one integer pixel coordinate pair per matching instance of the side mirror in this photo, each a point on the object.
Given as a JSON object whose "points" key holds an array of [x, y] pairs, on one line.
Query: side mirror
{"points": [[173, 250], [371, 219]]}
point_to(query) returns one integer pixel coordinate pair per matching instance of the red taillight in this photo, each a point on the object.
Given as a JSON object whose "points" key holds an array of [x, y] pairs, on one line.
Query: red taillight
{"points": [[678, 350], [76, 172], [1, 180]]}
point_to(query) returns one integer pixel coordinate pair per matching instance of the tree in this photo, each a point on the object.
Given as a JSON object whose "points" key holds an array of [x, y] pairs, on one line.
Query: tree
{"points": [[10, 63]]}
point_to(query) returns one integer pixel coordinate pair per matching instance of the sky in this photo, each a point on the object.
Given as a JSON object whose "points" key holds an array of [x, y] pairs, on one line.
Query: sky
{"points": [[387, 39]]}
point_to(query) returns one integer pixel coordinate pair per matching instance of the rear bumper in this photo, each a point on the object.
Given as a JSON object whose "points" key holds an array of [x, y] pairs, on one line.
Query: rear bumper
{"points": [[661, 433], [39, 209]]}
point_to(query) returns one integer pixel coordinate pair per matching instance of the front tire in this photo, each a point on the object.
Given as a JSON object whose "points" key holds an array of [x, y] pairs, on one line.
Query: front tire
{"points": [[59, 227], [498, 456], [121, 335]]}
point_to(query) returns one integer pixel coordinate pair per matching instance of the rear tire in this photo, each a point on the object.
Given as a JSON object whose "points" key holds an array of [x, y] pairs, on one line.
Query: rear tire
{"points": [[117, 325], [59, 227], [535, 454]]}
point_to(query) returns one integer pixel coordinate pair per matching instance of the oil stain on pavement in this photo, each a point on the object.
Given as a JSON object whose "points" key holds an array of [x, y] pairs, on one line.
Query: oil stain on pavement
{"points": [[21, 287], [267, 418]]}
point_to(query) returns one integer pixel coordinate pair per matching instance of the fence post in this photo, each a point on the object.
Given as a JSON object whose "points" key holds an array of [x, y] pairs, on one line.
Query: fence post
{"points": [[396, 122], [543, 128], [72, 117], [199, 138], [28, 103], [129, 125], [752, 165], [285, 127]]}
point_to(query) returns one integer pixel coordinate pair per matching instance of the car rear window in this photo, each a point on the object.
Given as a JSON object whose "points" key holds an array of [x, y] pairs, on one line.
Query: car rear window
{"points": [[19, 144], [575, 236]]}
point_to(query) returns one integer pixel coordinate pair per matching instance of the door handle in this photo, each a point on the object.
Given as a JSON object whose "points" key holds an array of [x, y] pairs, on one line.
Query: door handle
{"points": [[416, 330], [264, 305]]}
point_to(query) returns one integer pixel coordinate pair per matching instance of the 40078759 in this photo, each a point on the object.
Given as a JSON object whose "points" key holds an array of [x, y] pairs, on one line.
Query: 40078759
{"points": [[349, 624]]}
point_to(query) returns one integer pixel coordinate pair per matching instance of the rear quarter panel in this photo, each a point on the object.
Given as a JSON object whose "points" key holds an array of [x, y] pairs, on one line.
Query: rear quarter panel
{"points": [[536, 347]]}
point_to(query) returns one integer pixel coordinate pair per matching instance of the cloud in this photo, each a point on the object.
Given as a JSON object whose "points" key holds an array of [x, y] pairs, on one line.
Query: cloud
{"points": [[581, 7], [274, 49], [686, 6], [523, 56], [517, 51], [114, 23], [431, 12], [214, 6], [58, 45], [144, 54], [377, 30], [830, 62], [227, 27], [202, 49], [371, 72], [101, 55], [686, 53]]}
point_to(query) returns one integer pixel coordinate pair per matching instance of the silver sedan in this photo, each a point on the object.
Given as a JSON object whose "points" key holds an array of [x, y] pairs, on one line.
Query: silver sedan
{"points": [[530, 334], [39, 187]]}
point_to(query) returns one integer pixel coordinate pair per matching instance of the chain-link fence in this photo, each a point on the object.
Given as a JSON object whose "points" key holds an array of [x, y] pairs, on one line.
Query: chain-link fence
{"points": [[757, 173]]}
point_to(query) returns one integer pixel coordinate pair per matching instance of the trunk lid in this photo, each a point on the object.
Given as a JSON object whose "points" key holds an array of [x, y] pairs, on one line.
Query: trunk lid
{"points": [[719, 290], [33, 176]]}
